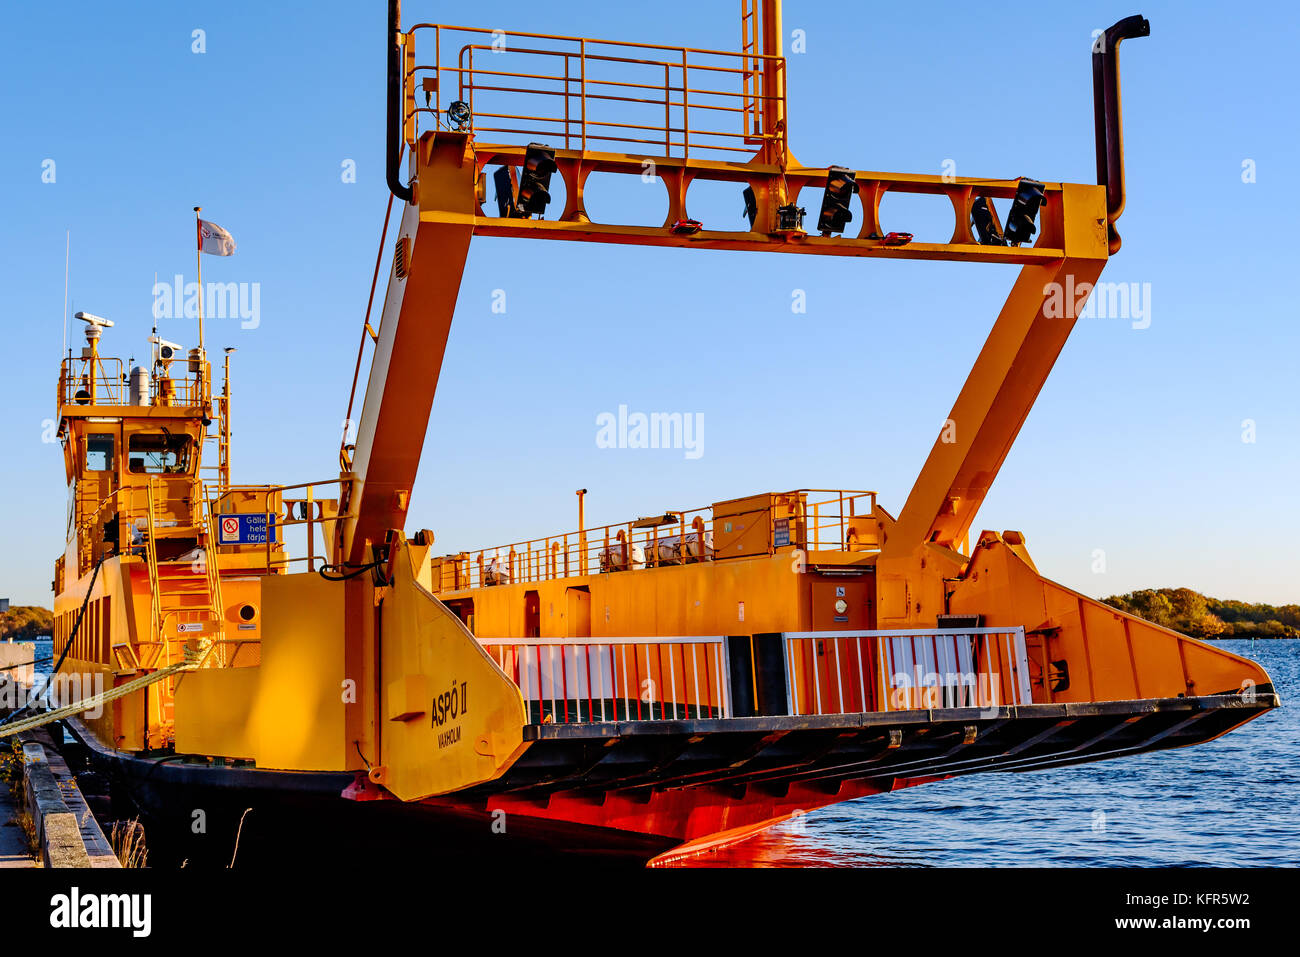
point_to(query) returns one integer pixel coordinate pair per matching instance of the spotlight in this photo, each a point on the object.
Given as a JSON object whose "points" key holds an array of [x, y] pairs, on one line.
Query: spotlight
{"points": [[458, 113], [789, 218], [751, 206], [535, 181], [841, 184], [1024, 209], [985, 218]]}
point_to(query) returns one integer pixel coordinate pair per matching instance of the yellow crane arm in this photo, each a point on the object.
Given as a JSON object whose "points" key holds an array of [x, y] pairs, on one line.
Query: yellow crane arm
{"points": [[423, 284], [1029, 334]]}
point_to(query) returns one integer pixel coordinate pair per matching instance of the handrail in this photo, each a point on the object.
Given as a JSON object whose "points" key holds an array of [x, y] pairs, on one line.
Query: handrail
{"points": [[591, 72], [649, 678], [93, 377], [617, 678], [839, 672], [822, 525], [107, 388], [283, 518]]}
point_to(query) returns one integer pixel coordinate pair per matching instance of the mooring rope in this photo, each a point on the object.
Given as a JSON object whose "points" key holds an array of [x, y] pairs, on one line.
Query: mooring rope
{"points": [[193, 658]]}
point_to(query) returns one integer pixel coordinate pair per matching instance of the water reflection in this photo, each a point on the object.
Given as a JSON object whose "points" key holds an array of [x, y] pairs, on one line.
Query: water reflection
{"points": [[1230, 802]]}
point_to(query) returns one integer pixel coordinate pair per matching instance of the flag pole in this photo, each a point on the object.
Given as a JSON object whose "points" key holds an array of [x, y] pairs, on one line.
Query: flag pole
{"points": [[198, 257]]}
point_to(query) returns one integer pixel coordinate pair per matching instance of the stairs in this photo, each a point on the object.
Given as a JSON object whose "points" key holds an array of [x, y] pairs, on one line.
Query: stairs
{"points": [[186, 592]]}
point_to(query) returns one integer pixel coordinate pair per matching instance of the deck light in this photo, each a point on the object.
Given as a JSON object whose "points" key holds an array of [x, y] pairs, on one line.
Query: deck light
{"points": [[458, 113], [1024, 210], [841, 184], [985, 218], [789, 218], [751, 206]]}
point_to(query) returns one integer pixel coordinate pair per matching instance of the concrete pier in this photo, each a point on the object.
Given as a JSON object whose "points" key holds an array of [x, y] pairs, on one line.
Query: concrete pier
{"points": [[67, 834]]}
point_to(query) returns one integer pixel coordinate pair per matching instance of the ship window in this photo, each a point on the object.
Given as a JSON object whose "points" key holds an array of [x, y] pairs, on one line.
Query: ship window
{"points": [[99, 452], [159, 453]]}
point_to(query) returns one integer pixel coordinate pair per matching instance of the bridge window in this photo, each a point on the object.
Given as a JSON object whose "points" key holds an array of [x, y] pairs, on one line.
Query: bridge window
{"points": [[159, 453], [99, 452]]}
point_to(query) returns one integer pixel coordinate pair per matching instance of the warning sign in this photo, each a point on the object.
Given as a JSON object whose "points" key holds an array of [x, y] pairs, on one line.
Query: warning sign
{"points": [[245, 529]]}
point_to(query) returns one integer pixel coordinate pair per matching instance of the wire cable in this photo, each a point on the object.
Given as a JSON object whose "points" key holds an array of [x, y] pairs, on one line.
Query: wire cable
{"points": [[356, 570]]}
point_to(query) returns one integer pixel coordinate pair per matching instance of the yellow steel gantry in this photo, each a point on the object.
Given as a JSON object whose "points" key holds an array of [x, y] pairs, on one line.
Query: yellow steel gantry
{"points": [[444, 210]]}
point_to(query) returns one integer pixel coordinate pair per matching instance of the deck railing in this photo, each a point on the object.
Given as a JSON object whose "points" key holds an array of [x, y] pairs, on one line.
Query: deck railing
{"points": [[102, 381], [577, 680], [583, 680], [850, 672], [298, 510], [838, 522], [587, 94], [97, 381]]}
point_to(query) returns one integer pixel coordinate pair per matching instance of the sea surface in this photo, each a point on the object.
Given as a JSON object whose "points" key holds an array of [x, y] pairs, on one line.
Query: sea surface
{"points": [[1234, 802], [44, 651]]}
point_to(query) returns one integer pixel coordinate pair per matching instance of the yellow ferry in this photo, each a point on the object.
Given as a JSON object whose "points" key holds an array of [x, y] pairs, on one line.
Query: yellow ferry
{"points": [[646, 689]]}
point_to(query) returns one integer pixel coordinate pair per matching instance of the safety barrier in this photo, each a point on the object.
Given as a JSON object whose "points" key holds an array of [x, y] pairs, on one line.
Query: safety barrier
{"points": [[578, 680], [577, 93], [850, 672], [575, 680], [101, 381]]}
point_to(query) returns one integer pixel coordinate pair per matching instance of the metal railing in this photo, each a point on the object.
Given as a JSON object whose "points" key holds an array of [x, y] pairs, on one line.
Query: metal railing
{"points": [[101, 381], [308, 511], [583, 680], [97, 381], [852, 672], [576, 680], [579, 93], [838, 523]]}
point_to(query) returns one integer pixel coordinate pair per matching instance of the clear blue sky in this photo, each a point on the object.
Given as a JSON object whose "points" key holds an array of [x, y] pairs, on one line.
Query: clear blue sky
{"points": [[1134, 446]]}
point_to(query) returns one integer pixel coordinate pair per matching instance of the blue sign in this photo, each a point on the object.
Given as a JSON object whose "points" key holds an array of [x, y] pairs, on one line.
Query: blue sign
{"points": [[244, 529]]}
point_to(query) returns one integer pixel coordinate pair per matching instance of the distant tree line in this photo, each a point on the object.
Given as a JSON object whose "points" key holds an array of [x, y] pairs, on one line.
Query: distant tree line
{"points": [[1201, 617], [1181, 609], [25, 622]]}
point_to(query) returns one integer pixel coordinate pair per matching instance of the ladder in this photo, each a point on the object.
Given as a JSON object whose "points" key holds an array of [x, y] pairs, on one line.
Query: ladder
{"points": [[185, 593], [750, 77]]}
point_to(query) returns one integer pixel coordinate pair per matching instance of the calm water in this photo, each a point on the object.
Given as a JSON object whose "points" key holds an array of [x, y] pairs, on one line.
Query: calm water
{"points": [[44, 649], [1232, 802]]}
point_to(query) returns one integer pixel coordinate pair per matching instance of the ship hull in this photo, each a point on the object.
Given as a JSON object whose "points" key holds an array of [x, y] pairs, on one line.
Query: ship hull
{"points": [[629, 794]]}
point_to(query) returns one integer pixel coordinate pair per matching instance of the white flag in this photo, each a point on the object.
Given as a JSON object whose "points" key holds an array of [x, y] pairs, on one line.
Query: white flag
{"points": [[215, 240]]}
